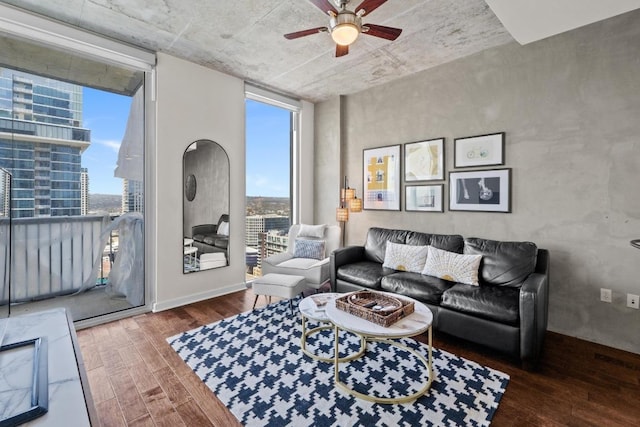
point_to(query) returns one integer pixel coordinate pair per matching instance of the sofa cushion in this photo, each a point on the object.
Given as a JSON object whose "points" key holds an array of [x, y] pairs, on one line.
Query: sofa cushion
{"points": [[452, 266], [377, 238], [446, 242], [367, 274], [222, 242], [503, 263], [427, 289], [405, 257], [198, 237], [498, 303]]}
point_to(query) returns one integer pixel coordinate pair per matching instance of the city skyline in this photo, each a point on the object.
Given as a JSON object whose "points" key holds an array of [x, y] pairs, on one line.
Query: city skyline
{"points": [[268, 149]]}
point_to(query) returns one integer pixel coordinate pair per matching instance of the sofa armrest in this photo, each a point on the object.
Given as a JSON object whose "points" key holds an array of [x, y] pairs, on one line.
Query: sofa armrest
{"points": [[534, 308], [343, 256]]}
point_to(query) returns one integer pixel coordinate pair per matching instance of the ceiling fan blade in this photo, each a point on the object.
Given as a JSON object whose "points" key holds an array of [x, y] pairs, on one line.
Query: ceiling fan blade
{"points": [[369, 6], [303, 33], [324, 5], [341, 50], [388, 33]]}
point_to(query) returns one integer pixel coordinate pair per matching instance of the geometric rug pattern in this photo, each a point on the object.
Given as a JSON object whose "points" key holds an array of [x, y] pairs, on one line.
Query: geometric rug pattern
{"points": [[252, 362]]}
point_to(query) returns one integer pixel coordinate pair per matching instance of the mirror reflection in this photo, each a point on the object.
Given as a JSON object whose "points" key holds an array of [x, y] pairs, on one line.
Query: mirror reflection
{"points": [[205, 201]]}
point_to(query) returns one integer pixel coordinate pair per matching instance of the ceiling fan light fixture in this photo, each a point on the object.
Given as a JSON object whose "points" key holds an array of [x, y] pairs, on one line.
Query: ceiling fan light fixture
{"points": [[345, 34]]}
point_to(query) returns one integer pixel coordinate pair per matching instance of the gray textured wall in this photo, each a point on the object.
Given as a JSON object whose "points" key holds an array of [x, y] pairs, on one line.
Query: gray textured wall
{"points": [[570, 107]]}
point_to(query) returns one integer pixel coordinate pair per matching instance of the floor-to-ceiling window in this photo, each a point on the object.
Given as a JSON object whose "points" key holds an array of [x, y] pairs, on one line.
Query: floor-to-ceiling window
{"points": [[270, 146], [72, 137]]}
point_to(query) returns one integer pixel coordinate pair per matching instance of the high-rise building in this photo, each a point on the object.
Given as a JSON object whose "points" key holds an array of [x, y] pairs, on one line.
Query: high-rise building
{"points": [[257, 224], [41, 141], [84, 191], [132, 196]]}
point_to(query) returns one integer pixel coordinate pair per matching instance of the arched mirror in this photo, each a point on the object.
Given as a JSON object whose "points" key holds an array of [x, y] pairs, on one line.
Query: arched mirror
{"points": [[205, 206]]}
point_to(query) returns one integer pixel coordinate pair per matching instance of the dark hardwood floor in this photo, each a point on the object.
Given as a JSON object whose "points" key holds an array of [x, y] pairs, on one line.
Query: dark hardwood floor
{"points": [[136, 379]]}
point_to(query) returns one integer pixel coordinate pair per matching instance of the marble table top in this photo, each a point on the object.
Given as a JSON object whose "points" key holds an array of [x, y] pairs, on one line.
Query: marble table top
{"points": [[67, 405], [414, 324]]}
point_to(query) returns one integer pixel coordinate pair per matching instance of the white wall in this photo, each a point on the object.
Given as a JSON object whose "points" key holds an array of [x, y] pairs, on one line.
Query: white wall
{"points": [[192, 103]]}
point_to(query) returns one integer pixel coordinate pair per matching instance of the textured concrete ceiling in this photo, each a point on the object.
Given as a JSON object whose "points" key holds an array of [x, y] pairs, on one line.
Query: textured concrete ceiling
{"points": [[244, 38]]}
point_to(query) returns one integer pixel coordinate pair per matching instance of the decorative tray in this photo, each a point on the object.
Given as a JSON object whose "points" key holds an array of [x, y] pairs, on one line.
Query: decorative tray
{"points": [[375, 307]]}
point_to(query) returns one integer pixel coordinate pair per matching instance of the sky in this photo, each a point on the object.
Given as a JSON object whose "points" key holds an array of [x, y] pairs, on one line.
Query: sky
{"points": [[267, 139], [268, 150], [106, 115]]}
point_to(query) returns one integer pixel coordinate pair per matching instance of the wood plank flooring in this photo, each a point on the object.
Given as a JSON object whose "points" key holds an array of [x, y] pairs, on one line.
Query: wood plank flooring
{"points": [[136, 379]]}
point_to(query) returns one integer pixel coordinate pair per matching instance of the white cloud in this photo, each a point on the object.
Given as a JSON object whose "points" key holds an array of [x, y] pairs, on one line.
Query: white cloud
{"points": [[110, 143]]}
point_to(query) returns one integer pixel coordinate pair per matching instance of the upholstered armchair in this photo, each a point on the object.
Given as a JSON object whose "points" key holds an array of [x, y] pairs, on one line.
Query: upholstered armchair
{"points": [[307, 255]]}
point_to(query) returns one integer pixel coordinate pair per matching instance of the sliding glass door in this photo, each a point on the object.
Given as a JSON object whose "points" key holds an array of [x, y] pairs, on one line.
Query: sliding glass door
{"points": [[73, 141]]}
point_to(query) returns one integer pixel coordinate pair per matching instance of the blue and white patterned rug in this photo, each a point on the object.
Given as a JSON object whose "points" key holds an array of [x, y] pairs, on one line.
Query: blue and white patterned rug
{"points": [[253, 363]]}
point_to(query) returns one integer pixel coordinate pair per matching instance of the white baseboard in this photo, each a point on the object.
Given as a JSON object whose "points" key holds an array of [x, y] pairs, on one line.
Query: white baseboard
{"points": [[189, 299]]}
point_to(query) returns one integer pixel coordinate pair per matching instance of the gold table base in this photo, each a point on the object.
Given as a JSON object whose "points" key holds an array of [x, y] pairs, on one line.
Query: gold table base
{"points": [[428, 364], [306, 333]]}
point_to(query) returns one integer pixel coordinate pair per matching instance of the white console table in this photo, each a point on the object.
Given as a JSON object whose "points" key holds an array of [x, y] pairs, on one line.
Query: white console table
{"points": [[69, 401]]}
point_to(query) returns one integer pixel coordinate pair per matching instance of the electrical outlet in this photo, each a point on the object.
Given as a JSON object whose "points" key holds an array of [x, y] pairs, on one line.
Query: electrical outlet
{"points": [[605, 295], [632, 301]]}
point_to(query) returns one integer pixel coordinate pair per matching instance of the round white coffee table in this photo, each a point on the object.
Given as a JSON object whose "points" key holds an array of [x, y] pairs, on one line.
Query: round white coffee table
{"points": [[309, 310], [414, 324]]}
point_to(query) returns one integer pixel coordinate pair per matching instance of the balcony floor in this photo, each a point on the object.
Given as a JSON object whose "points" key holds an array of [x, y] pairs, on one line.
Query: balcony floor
{"points": [[92, 303]]}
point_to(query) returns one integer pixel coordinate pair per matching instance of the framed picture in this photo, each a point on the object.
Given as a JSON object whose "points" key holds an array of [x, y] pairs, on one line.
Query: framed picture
{"points": [[424, 160], [381, 178], [423, 198], [482, 191], [482, 150]]}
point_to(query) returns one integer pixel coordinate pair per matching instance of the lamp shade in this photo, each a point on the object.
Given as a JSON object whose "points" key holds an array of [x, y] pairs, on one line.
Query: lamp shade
{"points": [[345, 34], [342, 214], [347, 194], [355, 205]]}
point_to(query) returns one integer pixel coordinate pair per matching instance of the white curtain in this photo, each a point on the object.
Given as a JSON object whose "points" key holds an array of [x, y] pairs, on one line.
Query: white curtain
{"points": [[130, 156]]}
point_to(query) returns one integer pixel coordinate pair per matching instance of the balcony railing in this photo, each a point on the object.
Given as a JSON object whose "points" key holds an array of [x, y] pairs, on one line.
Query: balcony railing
{"points": [[50, 256]]}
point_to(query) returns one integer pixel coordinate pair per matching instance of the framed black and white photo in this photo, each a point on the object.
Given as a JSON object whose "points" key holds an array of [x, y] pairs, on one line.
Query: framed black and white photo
{"points": [[481, 191], [424, 160], [381, 178], [481, 150], [423, 198]]}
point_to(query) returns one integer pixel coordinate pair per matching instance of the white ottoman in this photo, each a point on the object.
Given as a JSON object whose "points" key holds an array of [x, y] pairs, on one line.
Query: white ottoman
{"points": [[279, 285]]}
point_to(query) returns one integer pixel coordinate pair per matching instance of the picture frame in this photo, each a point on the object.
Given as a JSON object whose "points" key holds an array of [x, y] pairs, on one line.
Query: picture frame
{"points": [[480, 191], [481, 150], [424, 160], [381, 178], [424, 198]]}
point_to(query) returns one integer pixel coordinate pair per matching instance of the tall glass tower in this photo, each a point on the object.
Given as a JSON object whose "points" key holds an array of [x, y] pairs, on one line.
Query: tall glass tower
{"points": [[41, 141]]}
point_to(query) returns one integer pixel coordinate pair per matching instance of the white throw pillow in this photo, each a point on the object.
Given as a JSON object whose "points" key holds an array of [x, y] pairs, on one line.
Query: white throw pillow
{"points": [[223, 228], [405, 257], [315, 231], [452, 266]]}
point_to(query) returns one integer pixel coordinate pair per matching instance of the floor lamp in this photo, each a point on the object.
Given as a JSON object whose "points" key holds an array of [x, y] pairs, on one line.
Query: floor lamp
{"points": [[348, 202]]}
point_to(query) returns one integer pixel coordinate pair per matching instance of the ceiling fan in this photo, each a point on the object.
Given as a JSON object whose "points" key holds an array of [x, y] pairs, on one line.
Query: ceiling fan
{"points": [[345, 25]]}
